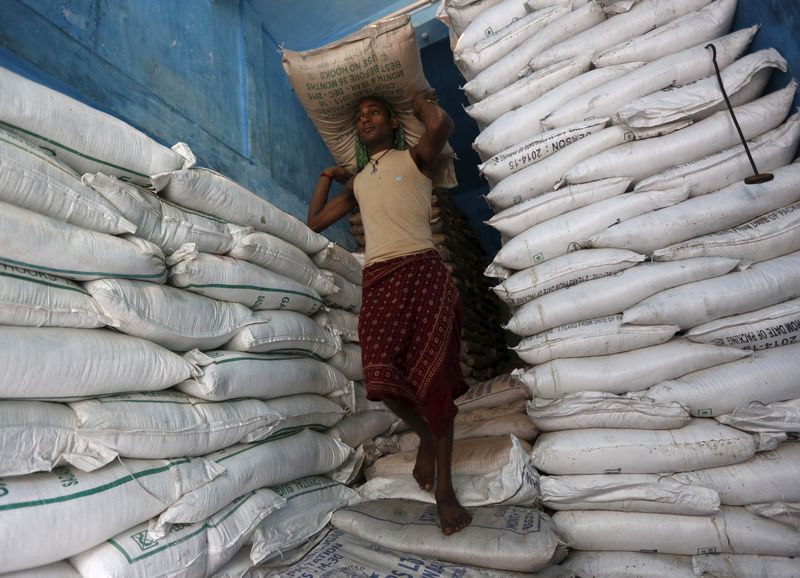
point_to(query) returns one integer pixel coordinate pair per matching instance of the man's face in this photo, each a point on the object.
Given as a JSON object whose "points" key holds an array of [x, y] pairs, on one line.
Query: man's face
{"points": [[373, 123]]}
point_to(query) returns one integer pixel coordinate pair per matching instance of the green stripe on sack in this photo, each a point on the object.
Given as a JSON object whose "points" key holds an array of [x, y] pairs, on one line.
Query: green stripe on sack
{"points": [[92, 491], [73, 151], [80, 290], [282, 434], [102, 274], [293, 358], [254, 287]]}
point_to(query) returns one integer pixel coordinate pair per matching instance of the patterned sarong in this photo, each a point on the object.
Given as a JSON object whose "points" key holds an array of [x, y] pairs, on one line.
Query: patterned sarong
{"points": [[409, 329]]}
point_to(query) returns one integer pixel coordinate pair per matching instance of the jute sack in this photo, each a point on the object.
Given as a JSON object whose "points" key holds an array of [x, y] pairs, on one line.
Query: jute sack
{"points": [[164, 224], [732, 530], [37, 519], [504, 538], [339, 321], [593, 563], [743, 565], [654, 493], [232, 374], [285, 332], [770, 151], [59, 363], [770, 375], [235, 280], [701, 26], [36, 299], [765, 417], [594, 409], [34, 180], [42, 243], [593, 337], [703, 443], [381, 59], [771, 326], [82, 137]]}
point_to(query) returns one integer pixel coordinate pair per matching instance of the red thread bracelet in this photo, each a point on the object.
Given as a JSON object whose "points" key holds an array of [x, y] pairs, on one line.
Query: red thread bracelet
{"points": [[324, 174]]}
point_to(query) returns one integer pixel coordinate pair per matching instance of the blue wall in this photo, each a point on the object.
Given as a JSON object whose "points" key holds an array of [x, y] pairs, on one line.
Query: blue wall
{"points": [[208, 72]]}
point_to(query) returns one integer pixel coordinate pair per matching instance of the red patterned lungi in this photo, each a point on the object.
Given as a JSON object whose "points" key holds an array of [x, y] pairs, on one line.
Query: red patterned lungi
{"points": [[409, 329]]}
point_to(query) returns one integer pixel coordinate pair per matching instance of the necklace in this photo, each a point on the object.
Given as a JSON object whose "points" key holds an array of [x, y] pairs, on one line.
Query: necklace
{"points": [[374, 163]]}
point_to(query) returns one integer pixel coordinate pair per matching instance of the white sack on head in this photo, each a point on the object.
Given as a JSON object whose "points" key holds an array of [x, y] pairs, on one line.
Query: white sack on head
{"points": [[641, 159], [627, 371], [215, 194], [177, 319], [770, 375], [41, 243], [770, 151], [612, 295], [758, 286], [237, 281], [84, 138], [593, 337]]}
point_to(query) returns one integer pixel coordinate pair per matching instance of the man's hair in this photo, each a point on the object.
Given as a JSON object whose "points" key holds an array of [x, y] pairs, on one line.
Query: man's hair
{"points": [[399, 141]]}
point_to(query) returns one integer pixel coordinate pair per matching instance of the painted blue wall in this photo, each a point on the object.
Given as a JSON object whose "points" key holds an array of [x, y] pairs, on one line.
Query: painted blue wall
{"points": [[208, 72]]}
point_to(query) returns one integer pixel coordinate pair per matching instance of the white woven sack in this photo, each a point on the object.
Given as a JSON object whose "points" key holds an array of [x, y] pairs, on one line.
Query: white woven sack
{"points": [[569, 231], [501, 390], [768, 236], [34, 180], [509, 68], [33, 298], [214, 194], [563, 272], [37, 522], [196, 549], [251, 466], [507, 538], [339, 260], [533, 150], [171, 424], [612, 295], [474, 59], [231, 375], [347, 296], [693, 29], [744, 565], [64, 363], [285, 332], [163, 223], [732, 530], [608, 564], [461, 12], [701, 96], [638, 160], [310, 502], [628, 371], [348, 361], [490, 21], [734, 205], [82, 137], [784, 512], [593, 337], [768, 477], [306, 410], [594, 409], [676, 69], [339, 321], [703, 443], [771, 375], [756, 287], [643, 17], [652, 493], [284, 258], [62, 569], [41, 243], [177, 319], [36, 437], [354, 430], [525, 122], [543, 206], [230, 279], [770, 151], [765, 417]]}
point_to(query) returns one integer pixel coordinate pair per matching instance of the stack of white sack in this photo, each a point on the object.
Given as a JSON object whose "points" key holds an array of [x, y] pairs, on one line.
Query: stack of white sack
{"points": [[154, 344], [609, 153]]}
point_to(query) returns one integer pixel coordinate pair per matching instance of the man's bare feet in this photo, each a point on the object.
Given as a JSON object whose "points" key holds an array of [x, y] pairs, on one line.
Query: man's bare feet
{"points": [[452, 515], [425, 465]]}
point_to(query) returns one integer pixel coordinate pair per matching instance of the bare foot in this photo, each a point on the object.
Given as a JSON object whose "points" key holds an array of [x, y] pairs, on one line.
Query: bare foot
{"points": [[426, 463], [452, 515]]}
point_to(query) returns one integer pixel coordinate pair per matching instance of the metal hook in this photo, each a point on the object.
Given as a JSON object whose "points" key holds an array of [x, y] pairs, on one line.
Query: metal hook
{"points": [[756, 177]]}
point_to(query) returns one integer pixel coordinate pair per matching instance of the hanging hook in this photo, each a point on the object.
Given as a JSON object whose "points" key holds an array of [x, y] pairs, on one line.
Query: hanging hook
{"points": [[756, 177]]}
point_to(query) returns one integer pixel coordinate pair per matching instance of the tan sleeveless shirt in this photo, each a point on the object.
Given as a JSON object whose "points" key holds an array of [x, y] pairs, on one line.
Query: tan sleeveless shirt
{"points": [[395, 205]]}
